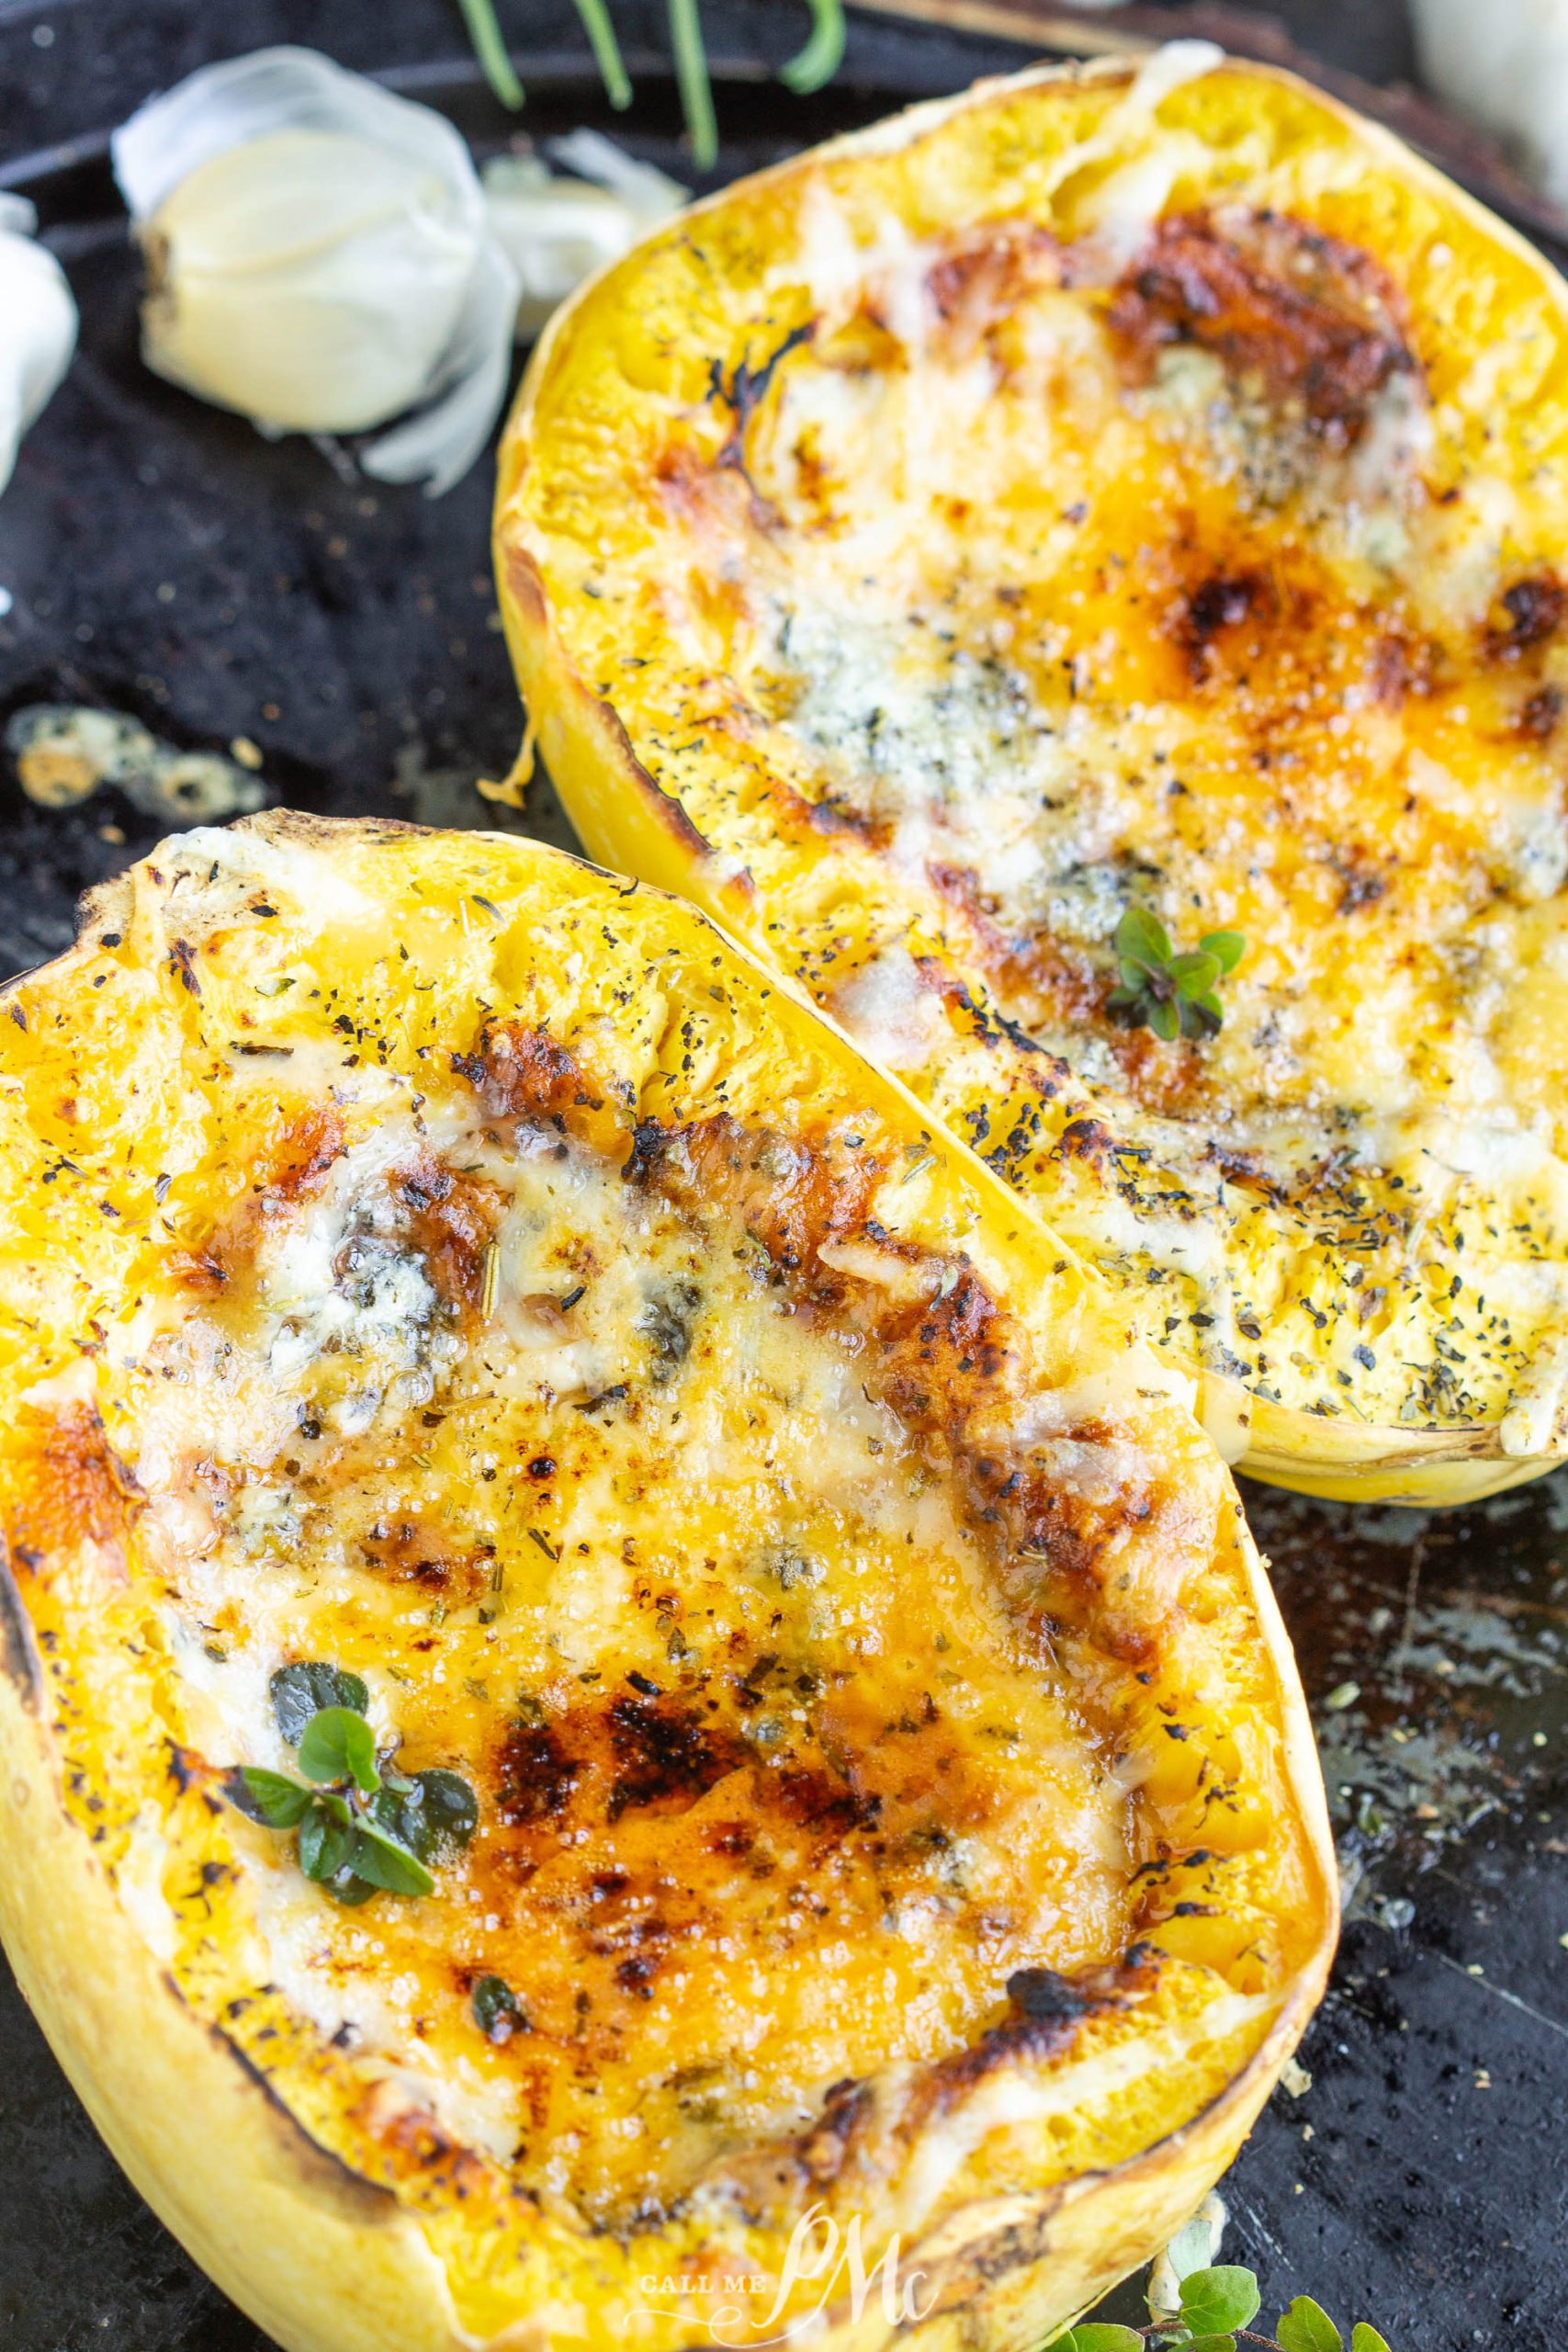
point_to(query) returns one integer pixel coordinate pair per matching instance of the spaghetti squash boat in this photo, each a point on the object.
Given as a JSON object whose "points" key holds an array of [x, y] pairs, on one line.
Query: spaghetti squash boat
{"points": [[628, 1715], [989, 557]]}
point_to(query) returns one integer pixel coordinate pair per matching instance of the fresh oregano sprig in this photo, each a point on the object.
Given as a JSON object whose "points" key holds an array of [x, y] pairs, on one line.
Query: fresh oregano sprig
{"points": [[810, 67], [1176, 996], [1216, 2305], [361, 1823]]}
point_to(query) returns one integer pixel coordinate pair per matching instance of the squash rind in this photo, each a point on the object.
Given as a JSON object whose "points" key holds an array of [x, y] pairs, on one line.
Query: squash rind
{"points": [[629, 817], [235, 2160]]}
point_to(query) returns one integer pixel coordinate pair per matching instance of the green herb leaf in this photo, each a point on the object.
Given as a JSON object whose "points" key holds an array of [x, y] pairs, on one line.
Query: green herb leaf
{"points": [[383, 1862], [1215, 2301], [1306, 2327], [1226, 947], [1143, 938], [300, 1692], [498, 2012], [326, 1843], [450, 1807], [1207, 2343], [432, 1810], [1193, 2248], [348, 1890], [271, 1798], [1194, 975], [399, 1814], [1364, 2338], [337, 1744], [1164, 1020], [1097, 2335]]}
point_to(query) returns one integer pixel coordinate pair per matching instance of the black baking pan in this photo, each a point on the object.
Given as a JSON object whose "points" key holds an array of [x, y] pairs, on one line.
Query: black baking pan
{"points": [[159, 558]]}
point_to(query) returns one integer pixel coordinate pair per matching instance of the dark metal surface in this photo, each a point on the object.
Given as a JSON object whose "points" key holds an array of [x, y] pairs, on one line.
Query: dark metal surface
{"points": [[164, 560]]}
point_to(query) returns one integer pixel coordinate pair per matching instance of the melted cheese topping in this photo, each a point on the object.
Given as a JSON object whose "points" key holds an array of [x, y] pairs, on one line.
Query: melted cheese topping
{"points": [[553, 1545], [1104, 498], [842, 1627]]}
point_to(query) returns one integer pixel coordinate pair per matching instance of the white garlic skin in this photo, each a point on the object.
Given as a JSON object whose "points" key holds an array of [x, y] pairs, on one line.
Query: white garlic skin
{"points": [[312, 279], [559, 231], [1504, 67], [37, 327], [318, 259]]}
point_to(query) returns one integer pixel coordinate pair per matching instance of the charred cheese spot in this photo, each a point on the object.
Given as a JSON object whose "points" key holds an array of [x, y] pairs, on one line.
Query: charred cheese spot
{"points": [[1530, 614], [1309, 318], [664, 1754], [67, 1483], [407, 1551], [310, 1144], [450, 1222], [535, 1777], [982, 279]]}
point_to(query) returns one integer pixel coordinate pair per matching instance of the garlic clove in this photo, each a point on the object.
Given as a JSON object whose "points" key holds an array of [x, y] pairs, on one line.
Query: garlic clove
{"points": [[228, 105], [559, 231], [312, 279], [39, 313], [319, 257]]}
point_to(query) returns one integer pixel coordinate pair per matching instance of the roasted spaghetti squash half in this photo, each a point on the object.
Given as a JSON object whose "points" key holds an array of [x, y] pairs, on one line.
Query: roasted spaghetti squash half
{"points": [[609, 1656], [1112, 492]]}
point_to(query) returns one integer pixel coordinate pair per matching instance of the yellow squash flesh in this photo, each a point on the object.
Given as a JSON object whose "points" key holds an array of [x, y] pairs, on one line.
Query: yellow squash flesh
{"points": [[1119, 486], [427, 1256]]}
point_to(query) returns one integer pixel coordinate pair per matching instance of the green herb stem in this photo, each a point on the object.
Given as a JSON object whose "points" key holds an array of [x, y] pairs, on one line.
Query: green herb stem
{"points": [[606, 51], [808, 69], [823, 54], [692, 78], [490, 50]]}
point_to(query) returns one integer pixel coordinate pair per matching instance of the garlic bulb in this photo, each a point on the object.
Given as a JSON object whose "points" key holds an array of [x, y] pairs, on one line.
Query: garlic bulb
{"points": [[38, 326], [1504, 67], [318, 259], [557, 232]]}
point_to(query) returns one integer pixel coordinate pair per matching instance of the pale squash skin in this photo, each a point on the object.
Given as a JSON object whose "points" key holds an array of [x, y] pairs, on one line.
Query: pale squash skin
{"points": [[359, 2189], [1302, 553]]}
